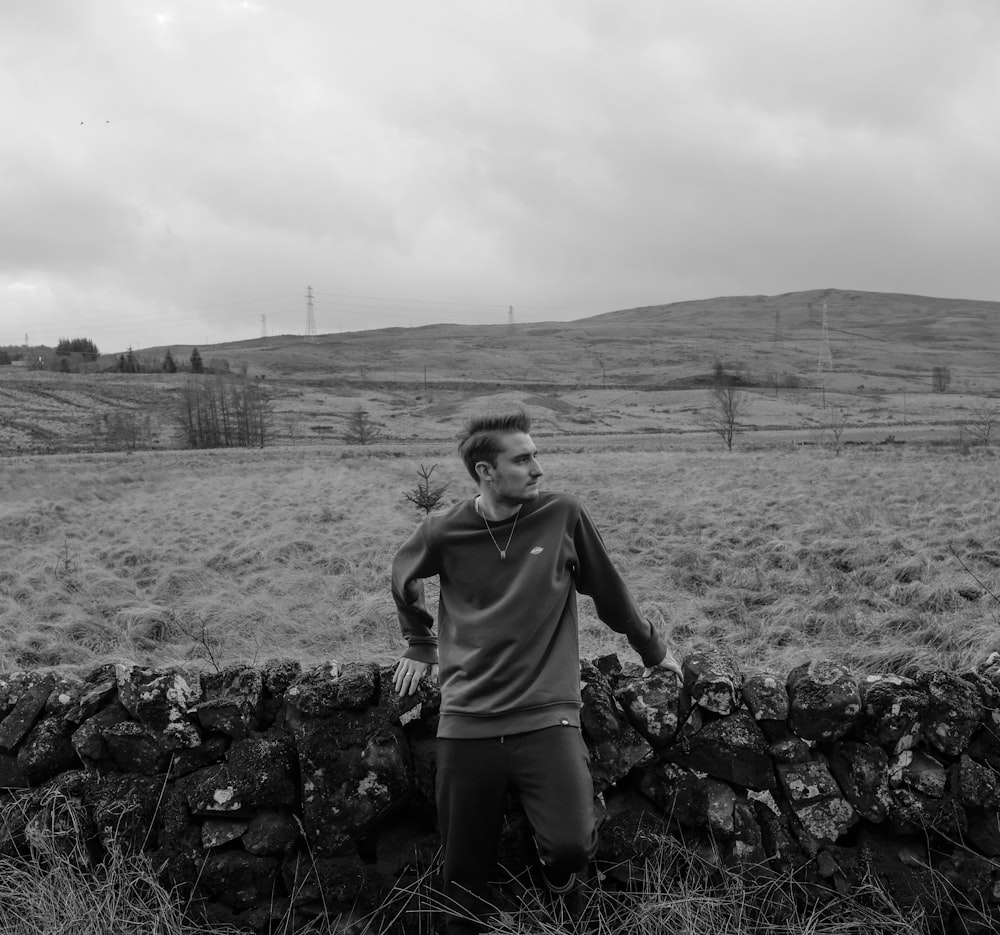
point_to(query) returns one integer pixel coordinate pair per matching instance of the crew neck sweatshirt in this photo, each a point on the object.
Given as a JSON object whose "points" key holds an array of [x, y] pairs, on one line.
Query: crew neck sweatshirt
{"points": [[507, 641]]}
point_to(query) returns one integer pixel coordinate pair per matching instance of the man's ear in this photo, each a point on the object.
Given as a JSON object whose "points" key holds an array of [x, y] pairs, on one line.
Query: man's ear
{"points": [[484, 470]]}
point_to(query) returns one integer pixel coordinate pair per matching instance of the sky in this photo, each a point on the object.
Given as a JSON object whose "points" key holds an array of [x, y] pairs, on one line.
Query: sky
{"points": [[183, 171]]}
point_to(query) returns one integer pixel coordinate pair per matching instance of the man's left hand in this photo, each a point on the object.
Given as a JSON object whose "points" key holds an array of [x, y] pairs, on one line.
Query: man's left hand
{"points": [[670, 662]]}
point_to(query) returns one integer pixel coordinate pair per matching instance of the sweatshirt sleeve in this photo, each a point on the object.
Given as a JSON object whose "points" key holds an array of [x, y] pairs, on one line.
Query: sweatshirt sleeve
{"points": [[597, 577], [415, 561]]}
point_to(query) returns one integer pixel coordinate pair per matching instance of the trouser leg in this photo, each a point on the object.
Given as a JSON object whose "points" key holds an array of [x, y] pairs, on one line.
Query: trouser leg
{"points": [[557, 793], [471, 784]]}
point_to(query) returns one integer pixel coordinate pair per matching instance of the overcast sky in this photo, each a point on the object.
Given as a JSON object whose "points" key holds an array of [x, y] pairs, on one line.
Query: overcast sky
{"points": [[173, 170]]}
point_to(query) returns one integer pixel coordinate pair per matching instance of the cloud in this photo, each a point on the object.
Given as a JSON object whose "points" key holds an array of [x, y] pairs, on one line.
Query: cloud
{"points": [[196, 164]]}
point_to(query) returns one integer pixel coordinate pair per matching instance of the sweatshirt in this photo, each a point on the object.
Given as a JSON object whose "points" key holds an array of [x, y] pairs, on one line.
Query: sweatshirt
{"points": [[507, 642]]}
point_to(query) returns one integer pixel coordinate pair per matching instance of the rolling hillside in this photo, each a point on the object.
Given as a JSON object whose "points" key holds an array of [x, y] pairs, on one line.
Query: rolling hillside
{"points": [[638, 371]]}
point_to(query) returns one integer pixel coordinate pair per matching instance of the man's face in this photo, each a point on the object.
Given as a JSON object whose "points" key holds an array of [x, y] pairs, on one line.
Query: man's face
{"points": [[515, 477]]}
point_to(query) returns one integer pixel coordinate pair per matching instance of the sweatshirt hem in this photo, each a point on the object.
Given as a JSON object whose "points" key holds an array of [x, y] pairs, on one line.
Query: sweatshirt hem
{"points": [[476, 727]]}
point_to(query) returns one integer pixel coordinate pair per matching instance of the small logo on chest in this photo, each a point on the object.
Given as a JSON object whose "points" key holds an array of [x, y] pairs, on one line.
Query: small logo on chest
{"points": [[537, 550]]}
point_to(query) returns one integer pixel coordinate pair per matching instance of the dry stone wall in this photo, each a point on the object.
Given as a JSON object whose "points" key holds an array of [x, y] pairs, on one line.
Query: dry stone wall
{"points": [[280, 791]]}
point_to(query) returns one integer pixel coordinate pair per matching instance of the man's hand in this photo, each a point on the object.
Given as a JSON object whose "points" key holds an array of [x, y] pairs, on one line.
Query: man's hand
{"points": [[408, 674], [670, 662]]}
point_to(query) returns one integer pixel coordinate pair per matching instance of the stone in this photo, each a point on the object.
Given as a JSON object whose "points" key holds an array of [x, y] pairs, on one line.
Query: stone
{"points": [[630, 829], [911, 812], [12, 686], [47, 751], [893, 710], [32, 696], [610, 666], [238, 879], [984, 747], [88, 739], [92, 700], [65, 695], [12, 774], [347, 786], [790, 750], [159, 701], [271, 832], [652, 705], [720, 800], [862, 773], [211, 751], [678, 792], [989, 698], [954, 711], [974, 784], [396, 709], [136, 748], [277, 676], [257, 774], [323, 690], [766, 699], [783, 851], [215, 832], [747, 848], [984, 831], [614, 745], [232, 701], [918, 770], [824, 701], [213, 791], [263, 768], [732, 748], [125, 808], [816, 800], [712, 681]]}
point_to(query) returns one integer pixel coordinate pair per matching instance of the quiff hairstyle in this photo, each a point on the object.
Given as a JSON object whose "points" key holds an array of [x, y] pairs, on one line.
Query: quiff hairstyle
{"points": [[480, 439]]}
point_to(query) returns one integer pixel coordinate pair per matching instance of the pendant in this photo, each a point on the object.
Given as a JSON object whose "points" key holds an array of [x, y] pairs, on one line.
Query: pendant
{"points": [[503, 555]]}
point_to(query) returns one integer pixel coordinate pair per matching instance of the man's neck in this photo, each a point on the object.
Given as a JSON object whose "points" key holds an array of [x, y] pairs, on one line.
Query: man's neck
{"points": [[494, 509]]}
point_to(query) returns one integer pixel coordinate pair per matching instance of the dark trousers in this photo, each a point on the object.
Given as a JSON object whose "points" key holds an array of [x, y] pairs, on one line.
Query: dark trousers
{"points": [[548, 769]]}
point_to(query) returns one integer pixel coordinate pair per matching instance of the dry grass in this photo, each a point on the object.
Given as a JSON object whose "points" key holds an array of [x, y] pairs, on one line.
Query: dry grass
{"points": [[779, 555]]}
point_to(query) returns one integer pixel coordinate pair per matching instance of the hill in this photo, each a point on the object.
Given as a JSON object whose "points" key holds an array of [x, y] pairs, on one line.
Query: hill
{"points": [[636, 371]]}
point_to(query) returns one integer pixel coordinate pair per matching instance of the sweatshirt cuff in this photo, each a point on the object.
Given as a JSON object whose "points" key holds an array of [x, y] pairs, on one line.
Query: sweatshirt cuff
{"points": [[423, 652], [652, 650]]}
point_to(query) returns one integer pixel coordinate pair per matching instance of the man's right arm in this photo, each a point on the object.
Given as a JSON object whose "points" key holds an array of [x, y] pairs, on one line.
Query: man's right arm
{"points": [[414, 562]]}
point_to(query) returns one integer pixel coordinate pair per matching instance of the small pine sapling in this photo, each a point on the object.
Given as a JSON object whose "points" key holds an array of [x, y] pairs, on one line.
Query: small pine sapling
{"points": [[426, 496]]}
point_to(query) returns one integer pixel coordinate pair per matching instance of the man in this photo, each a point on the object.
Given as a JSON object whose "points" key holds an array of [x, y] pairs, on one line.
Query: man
{"points": [[509, 561]]}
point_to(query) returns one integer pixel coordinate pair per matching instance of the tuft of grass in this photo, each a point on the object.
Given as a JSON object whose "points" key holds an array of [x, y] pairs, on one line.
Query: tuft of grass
{"points": [[59, 887]]}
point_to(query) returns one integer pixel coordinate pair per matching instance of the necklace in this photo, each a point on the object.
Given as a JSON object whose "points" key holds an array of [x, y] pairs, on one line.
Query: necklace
{"points": [[503, 551]]}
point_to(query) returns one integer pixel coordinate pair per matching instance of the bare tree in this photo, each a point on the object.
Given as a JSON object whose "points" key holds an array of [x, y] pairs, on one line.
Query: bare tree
{"points": [[361, 429], [981, 426], [293, 422], [835, 423], [728, 404]]}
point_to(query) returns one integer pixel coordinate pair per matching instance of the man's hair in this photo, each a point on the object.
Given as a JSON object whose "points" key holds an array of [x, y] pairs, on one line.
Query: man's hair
{"points": [[480, 439]]}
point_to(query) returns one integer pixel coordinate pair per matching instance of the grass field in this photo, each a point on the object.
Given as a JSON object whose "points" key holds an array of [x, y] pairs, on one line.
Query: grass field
{"points": [[882, 558]]}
